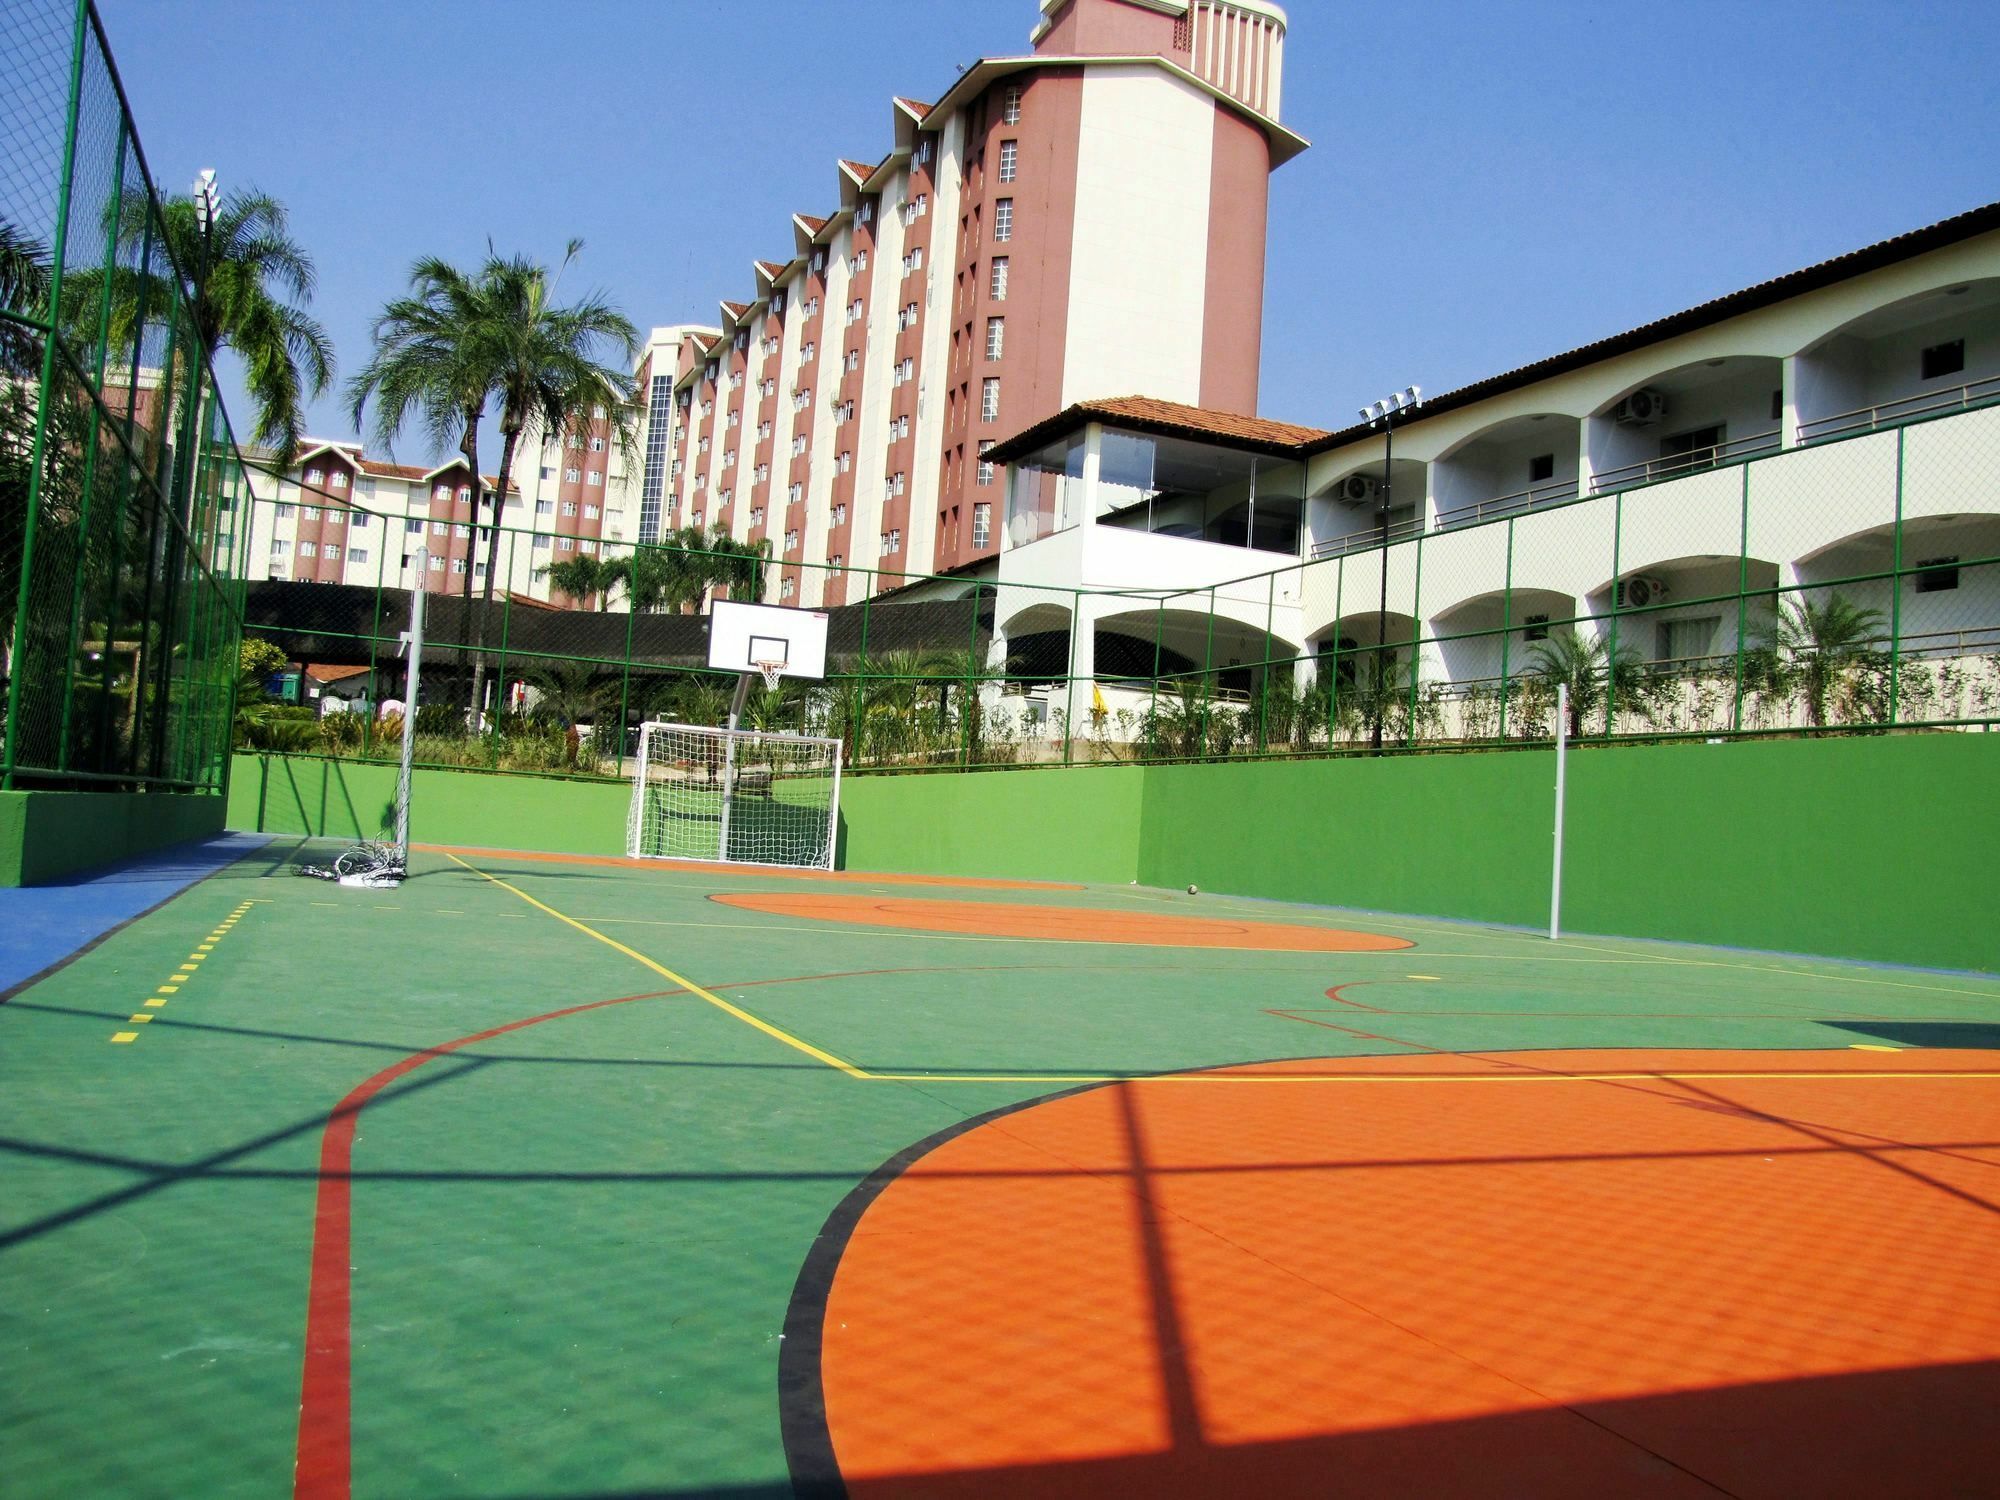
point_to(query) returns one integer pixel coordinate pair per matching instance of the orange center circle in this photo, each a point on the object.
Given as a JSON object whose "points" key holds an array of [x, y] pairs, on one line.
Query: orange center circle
{"points": [[1071, 924], [1567, 1272]]}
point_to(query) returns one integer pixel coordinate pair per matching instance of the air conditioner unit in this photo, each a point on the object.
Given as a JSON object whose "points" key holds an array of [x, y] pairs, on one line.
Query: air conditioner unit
{"points": [[1358, 489], [1637, 592], [1642, 408]]}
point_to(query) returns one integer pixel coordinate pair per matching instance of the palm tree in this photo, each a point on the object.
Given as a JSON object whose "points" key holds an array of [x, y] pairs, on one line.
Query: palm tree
{"points": [[251, 283], [1819, 648], [459, 341], [581, 577], [1585, 665]]}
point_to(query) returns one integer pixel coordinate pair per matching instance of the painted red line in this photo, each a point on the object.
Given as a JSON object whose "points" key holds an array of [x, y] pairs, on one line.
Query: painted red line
{"points": [[324, 1469], [1339, 999]]}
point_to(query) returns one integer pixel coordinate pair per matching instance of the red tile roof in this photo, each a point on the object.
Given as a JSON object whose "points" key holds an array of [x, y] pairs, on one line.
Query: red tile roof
{"points": [[813, 225], [335, 674], [771, 268], [859, 169], [1164, 419], [915, 106], [736, 309]]}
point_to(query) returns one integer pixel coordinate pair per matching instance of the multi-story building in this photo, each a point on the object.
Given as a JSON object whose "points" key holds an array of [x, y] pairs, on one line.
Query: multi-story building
{"points": [[336, 515], [1834, 430], [1082, 220]]}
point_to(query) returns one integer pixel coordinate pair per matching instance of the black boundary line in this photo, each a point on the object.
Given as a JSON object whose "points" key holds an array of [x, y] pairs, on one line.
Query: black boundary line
{"points": [[809, 1455], [111, 932]]}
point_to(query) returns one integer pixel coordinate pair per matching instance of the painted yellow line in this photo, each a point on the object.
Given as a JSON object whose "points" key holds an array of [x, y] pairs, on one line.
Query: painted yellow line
{"points": [[140, 1020], [171, 987], [1424, 976], [1872, 1047], [124, 1036], [661, 969], [156, 1001], [1988, 1077]]}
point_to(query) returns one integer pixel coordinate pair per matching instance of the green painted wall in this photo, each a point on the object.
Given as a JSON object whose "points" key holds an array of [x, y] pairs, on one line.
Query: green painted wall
{"points": [[291, 794], [1880, 847], [1054, 824], [47, 835]]}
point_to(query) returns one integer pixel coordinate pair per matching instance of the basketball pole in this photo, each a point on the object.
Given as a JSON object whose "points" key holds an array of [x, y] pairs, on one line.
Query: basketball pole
{"points": [[1562, 758], [729, 756]]}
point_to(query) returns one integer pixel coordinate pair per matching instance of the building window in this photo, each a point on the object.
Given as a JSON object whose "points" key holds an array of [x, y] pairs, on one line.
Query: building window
{"points": [[465, 494], [1535, 628], [982, 523], [413, 528], [786, 589], [836, 560], [571, 476], [312, 512], [840, 514], [439, 528], [545, 507], [1941, 360], [1010, 113], [597, 445], [989, 400], [360, 519], [892, 540], [569, 507], [590, 513], [308, 549], [1540, 467], [277, 547], [357, 554], [596, 479], [1937, 575], [565, 544], [315, 477], [458, 566], [1010, 158], [437, 565], [442, 492], [1003, 219], [923, 149], [333, 552], [284, 513], [792, 540], [339, 479], [996, 337], [844, 462], [985, 464]]}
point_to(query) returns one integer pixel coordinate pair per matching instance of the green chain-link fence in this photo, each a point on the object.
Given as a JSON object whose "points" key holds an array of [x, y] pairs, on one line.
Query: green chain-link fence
{"points": [[1848, 586], [121, 491]]}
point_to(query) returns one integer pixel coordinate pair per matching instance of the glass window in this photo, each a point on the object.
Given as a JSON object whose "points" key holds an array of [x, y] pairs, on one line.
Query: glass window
{"points": [[1010, 157], [989, 400], [996, 337], [1003, 219]]}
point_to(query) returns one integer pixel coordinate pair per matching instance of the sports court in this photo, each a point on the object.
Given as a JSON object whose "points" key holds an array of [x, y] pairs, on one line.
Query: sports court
{"points": [[566, 1177]]}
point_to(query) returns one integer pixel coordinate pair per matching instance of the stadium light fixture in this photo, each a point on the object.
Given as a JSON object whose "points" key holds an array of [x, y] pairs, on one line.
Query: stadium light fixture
{"points": [[1385, 412]]}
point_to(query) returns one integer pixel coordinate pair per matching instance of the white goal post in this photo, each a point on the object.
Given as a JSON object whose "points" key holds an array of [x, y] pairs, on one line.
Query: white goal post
{"points": [[734, 796]]}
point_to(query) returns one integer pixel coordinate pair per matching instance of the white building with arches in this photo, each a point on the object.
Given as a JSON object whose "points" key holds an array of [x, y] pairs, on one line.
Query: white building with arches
{"points": [[1832, 431]]}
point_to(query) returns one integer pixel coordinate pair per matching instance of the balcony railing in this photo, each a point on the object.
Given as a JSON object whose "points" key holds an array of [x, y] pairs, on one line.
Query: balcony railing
{"points": [[1903, 409], [1552, 492], [1673, 466], [1361, 541]]}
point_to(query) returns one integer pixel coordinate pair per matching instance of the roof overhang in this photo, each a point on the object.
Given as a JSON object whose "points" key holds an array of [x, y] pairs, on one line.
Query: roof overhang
{"points": [[1275, 440], [1285, 144]]}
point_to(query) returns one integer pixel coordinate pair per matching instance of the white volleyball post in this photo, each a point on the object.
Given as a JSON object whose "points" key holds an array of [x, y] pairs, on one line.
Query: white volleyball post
{"points": [[415, 641], [1562, 757]]}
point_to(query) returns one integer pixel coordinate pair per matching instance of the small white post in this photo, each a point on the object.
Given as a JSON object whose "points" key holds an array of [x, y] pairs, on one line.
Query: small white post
{"points": [[1562, 757], [411, 678], [736, 705]]}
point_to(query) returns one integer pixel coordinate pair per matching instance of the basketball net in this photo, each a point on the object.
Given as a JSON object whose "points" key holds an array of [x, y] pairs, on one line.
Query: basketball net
{"points": [[769, 670]]}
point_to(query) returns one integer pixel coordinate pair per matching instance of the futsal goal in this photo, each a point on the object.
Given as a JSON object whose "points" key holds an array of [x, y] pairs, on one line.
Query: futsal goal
{"points": [[735, 796]]}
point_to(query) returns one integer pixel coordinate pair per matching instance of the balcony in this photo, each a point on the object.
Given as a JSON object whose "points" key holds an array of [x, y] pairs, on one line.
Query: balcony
{"points": [[1688, 460], [1895, 413]]}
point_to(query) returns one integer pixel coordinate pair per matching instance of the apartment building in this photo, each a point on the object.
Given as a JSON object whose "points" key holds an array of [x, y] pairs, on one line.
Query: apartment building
{"points": [[1083, 219], [338, 515], [1834, 430]]}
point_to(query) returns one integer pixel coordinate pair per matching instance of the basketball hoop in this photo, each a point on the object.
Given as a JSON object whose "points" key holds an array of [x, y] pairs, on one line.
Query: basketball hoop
{"points": [[769, 670]]}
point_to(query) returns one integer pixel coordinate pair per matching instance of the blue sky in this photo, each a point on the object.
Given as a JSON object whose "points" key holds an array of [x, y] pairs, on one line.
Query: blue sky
{"points": [[1489, 182]]}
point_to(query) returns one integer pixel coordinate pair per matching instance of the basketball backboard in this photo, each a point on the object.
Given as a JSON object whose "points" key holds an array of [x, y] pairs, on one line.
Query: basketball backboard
{"points": [[742, 637]]}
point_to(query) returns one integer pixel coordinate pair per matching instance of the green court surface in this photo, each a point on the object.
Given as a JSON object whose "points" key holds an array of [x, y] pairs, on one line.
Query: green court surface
{"points": [[560, 1258]]}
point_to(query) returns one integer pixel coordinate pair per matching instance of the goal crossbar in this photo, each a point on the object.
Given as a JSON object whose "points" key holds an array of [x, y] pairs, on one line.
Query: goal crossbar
{"points": [[741, 796]]}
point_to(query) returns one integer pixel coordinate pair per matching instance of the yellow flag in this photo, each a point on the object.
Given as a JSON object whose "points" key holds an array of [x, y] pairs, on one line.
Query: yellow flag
{"points": [[1097, 700]]}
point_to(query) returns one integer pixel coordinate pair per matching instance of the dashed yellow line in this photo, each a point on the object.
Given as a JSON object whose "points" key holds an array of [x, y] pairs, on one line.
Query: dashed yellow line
{"points": [[173, 984]]}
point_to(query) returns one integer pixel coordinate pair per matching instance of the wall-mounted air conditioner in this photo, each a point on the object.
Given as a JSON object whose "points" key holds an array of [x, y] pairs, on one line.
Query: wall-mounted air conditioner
{"points": [[1358, 489], [1637, 592], [1642, 408]]}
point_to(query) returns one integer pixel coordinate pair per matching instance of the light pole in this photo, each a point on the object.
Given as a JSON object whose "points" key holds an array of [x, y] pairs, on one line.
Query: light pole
{"points": [[1386, 413]]}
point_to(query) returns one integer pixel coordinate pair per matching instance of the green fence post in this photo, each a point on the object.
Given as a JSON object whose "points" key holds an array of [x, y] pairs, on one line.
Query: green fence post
{"points": [[971, 654], [10, 757], [1416, 642], [1896, 591], [1069, 676], [1742, 596], [1506, 628], [1611, 654], [375, 640], [1333, 686], [500, 669], [625, 682], [1208, 688], [1264, 677]]}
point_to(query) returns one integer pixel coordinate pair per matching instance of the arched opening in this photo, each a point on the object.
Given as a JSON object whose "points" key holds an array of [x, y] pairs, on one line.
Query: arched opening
{"points": [[1936, 351], [1683, 420], [1346, 514], [1512, 466]]}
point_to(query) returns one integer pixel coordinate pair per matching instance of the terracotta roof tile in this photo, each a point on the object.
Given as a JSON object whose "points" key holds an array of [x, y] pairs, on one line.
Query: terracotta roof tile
{"points": [[382, 470], [1163, 419], [771, 268], [915, 106], [860, 169], [813, 225], [736, 309]]}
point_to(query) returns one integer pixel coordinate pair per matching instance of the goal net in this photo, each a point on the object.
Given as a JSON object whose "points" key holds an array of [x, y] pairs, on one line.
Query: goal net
{"points": [[734, 796]]}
